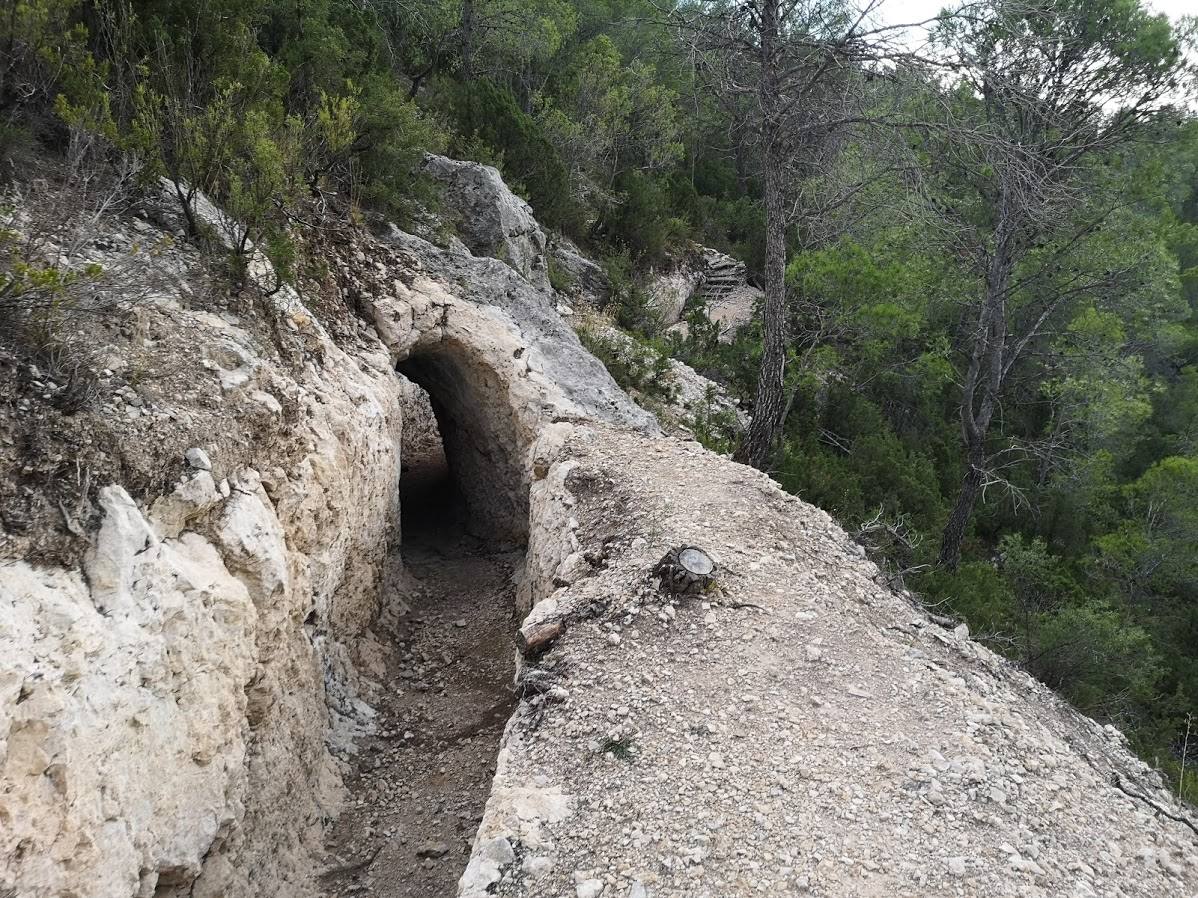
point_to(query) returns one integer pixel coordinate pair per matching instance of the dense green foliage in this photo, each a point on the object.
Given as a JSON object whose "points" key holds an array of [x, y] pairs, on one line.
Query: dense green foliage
{"points": [[1080, 559]]}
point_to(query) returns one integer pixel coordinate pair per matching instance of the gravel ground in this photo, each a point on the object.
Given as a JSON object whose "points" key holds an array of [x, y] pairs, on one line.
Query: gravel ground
{"points": [[419, 783], [801, 731]]}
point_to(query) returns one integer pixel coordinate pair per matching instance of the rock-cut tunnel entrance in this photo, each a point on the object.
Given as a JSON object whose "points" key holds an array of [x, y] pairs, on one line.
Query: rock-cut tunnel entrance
{"points": [[478, 477], [420, 782]]}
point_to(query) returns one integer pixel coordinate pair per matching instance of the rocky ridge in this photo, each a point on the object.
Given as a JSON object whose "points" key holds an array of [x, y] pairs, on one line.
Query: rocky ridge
{"points": [[489, 218]]}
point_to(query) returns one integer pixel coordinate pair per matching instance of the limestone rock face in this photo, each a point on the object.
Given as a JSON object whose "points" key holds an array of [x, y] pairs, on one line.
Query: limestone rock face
{"points": [[728, 298], [733, 309], [671, 292], [583, 279], [165, 702], [489, 218], [423, 450], [698, 398], [170, 709], [124, 735]]}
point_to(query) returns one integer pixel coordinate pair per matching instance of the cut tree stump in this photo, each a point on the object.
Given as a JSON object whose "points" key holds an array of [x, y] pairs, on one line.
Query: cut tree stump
{"points": [[686, 570], [534, 638]]}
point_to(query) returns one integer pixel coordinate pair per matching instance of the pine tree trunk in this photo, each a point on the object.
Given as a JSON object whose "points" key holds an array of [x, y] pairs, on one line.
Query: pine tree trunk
{"points": [[769, 406], [983, 384], [958, 521]]}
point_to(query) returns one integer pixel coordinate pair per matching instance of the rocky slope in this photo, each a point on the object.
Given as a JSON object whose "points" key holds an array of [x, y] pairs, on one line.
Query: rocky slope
{"points": [[800, 730], [190, 641]]}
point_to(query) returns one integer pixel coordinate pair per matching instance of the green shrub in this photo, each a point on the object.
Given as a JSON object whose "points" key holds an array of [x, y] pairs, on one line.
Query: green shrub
{"points": [[733, 365], [841, 454], [44, 53], [641, 220], [735, 226], [486, 113], [628, 304], [635, 311], [559, 279], [394, 135], [715, 427], [638, 367], [975, 591], [1106, 666]]}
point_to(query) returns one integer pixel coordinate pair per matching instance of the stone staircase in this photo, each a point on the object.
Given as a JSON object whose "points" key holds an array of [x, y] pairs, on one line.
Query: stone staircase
{"points": [[722, 276]]}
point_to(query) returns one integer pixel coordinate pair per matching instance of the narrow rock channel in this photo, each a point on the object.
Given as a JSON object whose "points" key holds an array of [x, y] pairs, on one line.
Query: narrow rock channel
{"points": [[419, 784]]}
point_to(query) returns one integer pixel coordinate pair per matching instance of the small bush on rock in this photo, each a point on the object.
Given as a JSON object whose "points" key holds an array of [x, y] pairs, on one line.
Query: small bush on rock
{"points": [[638, 367], [53, 291]]}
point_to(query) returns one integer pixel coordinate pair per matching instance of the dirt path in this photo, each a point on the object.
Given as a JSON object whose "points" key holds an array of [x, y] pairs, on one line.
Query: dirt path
{"points": [[418, 792]]}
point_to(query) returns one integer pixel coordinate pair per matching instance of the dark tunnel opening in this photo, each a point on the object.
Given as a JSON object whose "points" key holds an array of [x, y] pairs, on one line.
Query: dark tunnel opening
{"points": [[462, 465], [432, 505]]}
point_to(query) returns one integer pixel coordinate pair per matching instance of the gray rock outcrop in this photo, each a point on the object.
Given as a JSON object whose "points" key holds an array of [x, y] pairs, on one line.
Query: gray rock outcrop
{"points": [[170, 708], [671, 292], [489, 218], [581, 277], [164, 715]]}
